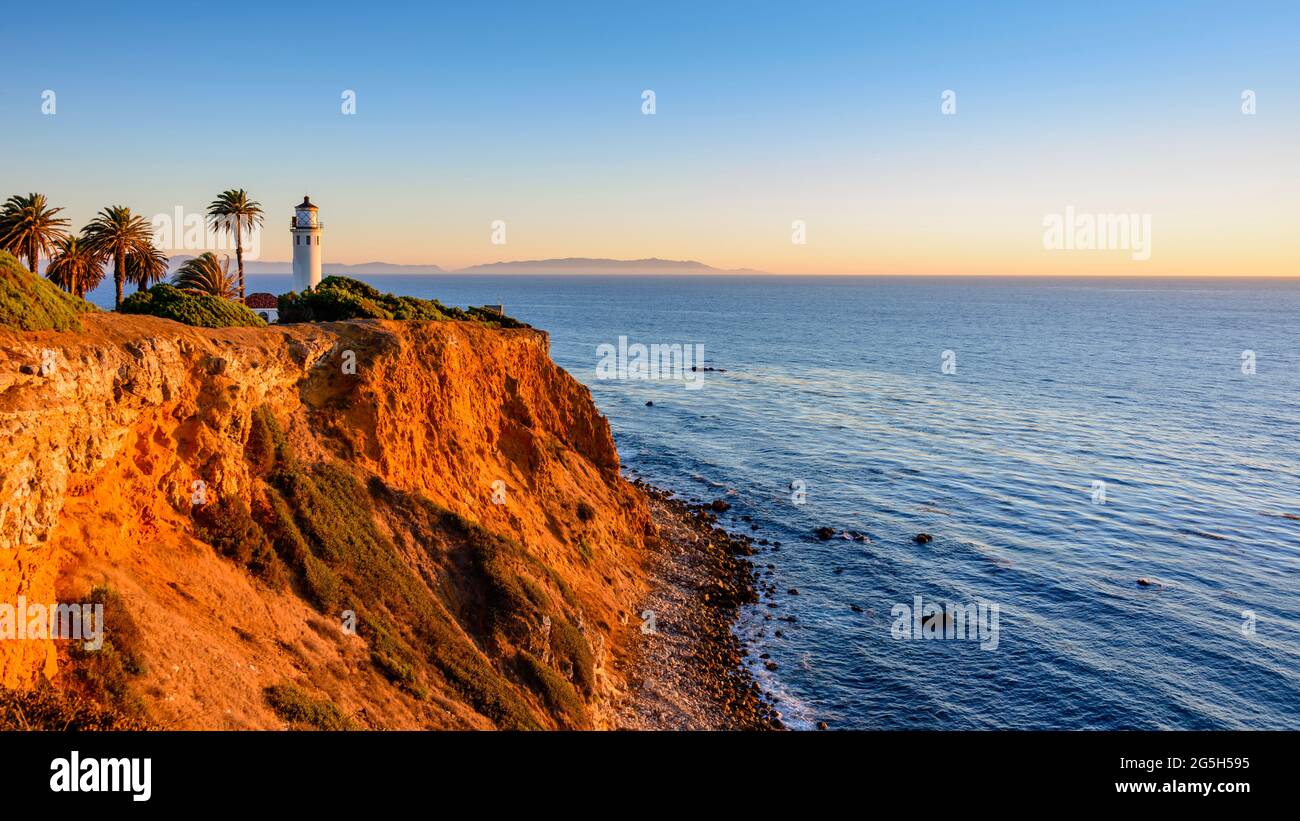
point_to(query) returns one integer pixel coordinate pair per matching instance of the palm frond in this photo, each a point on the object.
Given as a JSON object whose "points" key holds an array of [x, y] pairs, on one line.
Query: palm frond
{"points": [[145, 267], [74, 268], [205, 274], [30, 228]]}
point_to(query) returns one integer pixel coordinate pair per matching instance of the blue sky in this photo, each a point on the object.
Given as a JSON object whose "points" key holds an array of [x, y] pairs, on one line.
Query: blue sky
{"points": [[766, 113]]}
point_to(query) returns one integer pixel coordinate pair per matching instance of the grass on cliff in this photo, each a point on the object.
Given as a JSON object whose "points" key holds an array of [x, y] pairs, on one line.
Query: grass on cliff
{"points": [[504, 595], [202, 310], [338, 298], [555, 689], [302, 711], [107, 674], [320, 522], [49, 708], [32, 303]]}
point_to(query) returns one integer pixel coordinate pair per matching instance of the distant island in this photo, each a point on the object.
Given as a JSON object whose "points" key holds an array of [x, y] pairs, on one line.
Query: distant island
{"points": [[570, 265], [275, 267], [584, 265]]}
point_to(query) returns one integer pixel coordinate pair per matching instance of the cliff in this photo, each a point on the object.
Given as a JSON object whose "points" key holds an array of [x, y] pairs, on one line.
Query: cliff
{"points": [[420, 524]]}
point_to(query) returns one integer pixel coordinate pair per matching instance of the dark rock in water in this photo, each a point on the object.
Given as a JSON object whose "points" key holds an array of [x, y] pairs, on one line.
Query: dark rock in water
{"points": [[719, 506], [778, 634], [923, 538], [793, 591], [825, 533], [771, 665], [776, 544], [1145, 582], [855, 608], [649, 404], [821, 725], [838, 571], [855, 536]]}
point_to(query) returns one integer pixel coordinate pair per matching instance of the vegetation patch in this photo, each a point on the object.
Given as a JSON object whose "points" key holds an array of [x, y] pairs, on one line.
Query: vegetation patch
{"points": [[302, 711], [32, 303], [53, 709], [338, 298], [573, 652], [320, 520], [229, 527], [202, 310], [555, 689], [106, 675], [318, 523]]}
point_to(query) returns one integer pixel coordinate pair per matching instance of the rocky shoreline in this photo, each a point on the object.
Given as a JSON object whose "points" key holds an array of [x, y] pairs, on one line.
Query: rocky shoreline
{"points": [[689, 671]]}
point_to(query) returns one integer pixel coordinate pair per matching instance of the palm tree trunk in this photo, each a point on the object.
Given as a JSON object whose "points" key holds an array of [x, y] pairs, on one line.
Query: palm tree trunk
{"points": [[119, 268], [239, 257]]}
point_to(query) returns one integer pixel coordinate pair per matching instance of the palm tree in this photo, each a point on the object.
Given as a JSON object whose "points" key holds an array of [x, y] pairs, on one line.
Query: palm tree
{"points": [[29, 227], [74, 268], [204, 274], [232, 211], [116, 232], [146, 267]]}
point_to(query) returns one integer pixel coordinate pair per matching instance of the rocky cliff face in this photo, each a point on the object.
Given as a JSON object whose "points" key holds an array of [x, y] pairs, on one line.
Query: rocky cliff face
{"points": [[421, 523]]}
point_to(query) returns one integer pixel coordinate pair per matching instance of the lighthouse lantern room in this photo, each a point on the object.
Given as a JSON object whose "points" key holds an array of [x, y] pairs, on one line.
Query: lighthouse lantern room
{"points": [[306, 229]]}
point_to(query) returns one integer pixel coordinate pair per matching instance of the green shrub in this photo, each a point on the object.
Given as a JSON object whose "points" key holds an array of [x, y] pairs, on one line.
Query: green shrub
{"points": [[569, 645], [493, 318], [554, 689], [338, 298], [106, 674], [32, 303], [203, 310], [229, 527], [301, 710], [264, 441]]}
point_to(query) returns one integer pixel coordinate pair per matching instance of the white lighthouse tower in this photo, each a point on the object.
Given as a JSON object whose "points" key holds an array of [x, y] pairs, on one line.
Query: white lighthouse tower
{"points": [[306, 227]]}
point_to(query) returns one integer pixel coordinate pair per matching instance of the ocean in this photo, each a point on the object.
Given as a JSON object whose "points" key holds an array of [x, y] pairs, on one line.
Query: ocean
{"points": [[1059, 439]]}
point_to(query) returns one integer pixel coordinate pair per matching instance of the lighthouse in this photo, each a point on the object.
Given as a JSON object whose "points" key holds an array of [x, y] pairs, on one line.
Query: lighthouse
{"points": [[306, 227]]}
